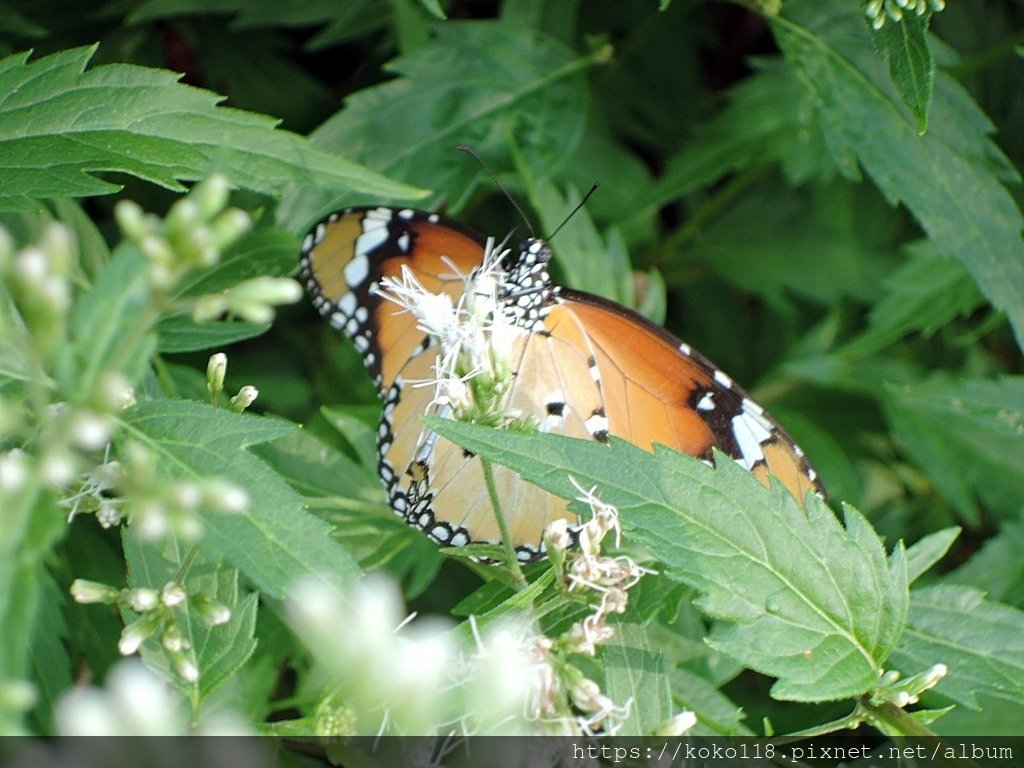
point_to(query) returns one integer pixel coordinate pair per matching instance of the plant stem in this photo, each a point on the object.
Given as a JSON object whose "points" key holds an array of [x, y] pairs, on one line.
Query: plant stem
{"points": [[894, 719], [519, 581]]}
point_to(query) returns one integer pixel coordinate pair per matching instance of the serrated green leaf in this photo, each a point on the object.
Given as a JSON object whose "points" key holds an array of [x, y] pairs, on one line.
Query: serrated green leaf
{"points": [[980, 642], [997, 568], [60, 124], [767, 119], [863, 122], [922, 296], [966, 436], [811, 243], [904, 47], [467, 85], [275, 542], [799, 597], [635, 672], [925, 553], [219, 651]]}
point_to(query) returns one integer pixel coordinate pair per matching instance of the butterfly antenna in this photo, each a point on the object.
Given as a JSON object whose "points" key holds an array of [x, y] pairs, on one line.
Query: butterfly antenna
{"points": [[472, 153], [572, 213]]}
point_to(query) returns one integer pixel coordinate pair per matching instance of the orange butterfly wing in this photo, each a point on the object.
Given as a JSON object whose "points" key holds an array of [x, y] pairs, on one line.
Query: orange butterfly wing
{"points": [[658, 390]]}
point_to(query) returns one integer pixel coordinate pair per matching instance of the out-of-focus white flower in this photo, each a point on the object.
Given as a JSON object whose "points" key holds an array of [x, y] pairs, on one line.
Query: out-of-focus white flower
{"points": [[134, 702]]}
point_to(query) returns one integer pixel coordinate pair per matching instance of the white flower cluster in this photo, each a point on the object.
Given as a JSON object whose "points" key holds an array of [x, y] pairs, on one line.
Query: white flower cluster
{"points": [[390, 675], [156, 618], [475, 339]]}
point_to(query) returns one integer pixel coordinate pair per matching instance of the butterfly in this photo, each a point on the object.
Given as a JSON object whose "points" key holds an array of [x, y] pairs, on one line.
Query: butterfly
{"points": [[580, 365]]}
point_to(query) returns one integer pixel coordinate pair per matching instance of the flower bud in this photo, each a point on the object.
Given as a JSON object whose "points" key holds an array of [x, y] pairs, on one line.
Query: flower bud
{"points": [[216, 369], [84, 591], [131, 220], [172, 594], [209, 308], [211, 195], [267, 290], [137, 632], [676, 725], [246, 396], [143, 599]]}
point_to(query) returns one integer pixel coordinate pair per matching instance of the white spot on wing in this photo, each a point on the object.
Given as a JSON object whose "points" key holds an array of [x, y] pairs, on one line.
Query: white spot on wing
{"points": [[596, 423], [347, 304], [357, 270], [685, 349], [707, 403], [722, 379], [749, 434]]}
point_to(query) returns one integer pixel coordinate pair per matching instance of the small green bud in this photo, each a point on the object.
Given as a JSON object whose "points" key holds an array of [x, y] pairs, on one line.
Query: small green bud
{"points": [[255, 312], [212, 613], [132, 221], [246, 396], [209, 308], [216, 369], [136, 633], [211, 195], [84, 591], [229, 226], [143, 599], [268, 290], [183, 216]]}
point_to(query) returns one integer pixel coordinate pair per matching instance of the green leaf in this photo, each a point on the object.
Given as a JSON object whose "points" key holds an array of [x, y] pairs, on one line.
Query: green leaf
{"points": [[997, 568], [716, 714], [350, 423], [29, 527], [923, 296], [219, 651], [61, 124], [635, 672], [51, 667], [180, 333], [980, 642], [275, 542], [925, 553], [469, 84], [863, 122], [966, 436], [904, 47], [800, 597], [17, 363], [810, 242], [767, 119], [110, 326], [351, 498]]}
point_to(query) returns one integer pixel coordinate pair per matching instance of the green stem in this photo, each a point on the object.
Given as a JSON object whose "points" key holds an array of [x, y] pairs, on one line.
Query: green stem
{"points": [[186, 564], [519, 581], [893, 719]]}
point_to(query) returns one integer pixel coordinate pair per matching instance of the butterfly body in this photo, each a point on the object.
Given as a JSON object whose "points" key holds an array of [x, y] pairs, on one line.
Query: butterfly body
{"points": [[577, 365]]}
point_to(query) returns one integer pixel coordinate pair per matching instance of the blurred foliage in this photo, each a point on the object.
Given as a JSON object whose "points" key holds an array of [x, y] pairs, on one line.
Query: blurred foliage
{"points": [[826, 206]]}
